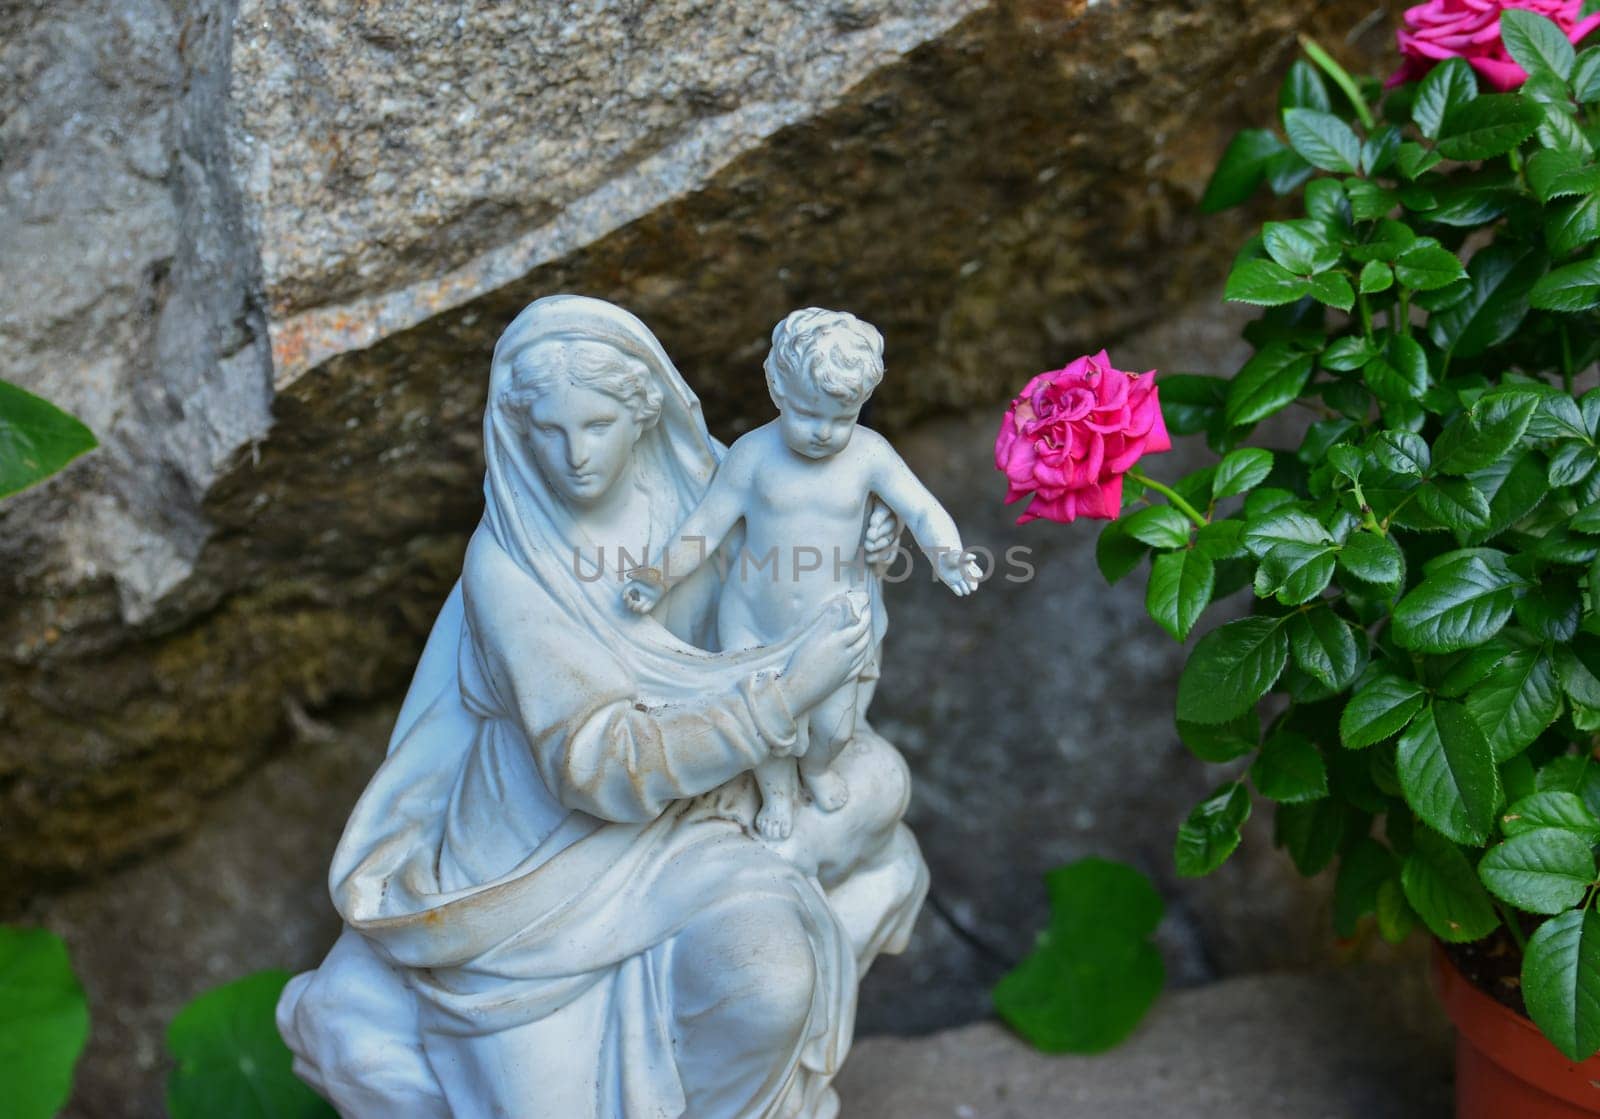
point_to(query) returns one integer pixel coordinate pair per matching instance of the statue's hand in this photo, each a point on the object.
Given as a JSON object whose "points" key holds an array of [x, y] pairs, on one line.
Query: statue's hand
{"points": [[960, 572], [641, 596], [833, 651], [882, 534]]}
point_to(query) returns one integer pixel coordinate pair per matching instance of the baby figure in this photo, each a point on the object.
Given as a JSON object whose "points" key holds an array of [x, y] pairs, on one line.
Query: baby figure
{"points": [[802, 485]]}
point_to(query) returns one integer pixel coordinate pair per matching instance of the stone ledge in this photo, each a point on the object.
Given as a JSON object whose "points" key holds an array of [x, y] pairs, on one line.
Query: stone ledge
{"points": [[1363, 1042]]}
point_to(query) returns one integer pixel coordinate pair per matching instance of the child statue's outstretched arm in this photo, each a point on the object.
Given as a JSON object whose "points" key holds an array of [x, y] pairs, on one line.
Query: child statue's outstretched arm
{"points": [[928, 521], [700, 534]]}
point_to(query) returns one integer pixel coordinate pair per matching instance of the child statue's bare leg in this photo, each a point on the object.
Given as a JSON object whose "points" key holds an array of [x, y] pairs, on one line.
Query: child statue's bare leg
{"points": [[775, 777], [833, 724]]}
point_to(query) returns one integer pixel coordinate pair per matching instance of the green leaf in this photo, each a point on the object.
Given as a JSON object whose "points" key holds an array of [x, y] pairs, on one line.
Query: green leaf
{"points": [[1362, 872], [1427, 265], [1376, 276], [1269, 382], [1445, 87], [1241, 471], [1495, 304], [1545, 870], [1575, 665], [1553, 809], [1302, 88], [44, 1021], [1373, 559], [1516, 702], [1346, 460], [1324, 140], [1325, 200], [1211, 832], [1368, 201], [1441, 886], [1516, 487], [1572, 462], [1571, 225], [1487, 126], [1455, 606], [1396, 918], [1571, 773], [1350, 352], [1333, 289], [1190, 402], [1180, 589], [1094, 972], [1289, 769], [1231, 668], [1587, 519], [1303, 247], [1453, 674], [1455, 503], [1380, 709], [1311, 832], [1222, 539], [1561, 982], [1414, 160], [1572, 287], [1286, 171], [36, 439], [1401, 373], [1448, 774], [1546, 168], [230, 1060], [1240, 171], [1485, 432], [1402, 453], [1387, 241], [1264, 283], [1537, 44], [1552, 609], [1445, 297], [1221, 742], [1160, 526], [1560, 130], [1266, 531], [1327, 648], [1586, 76], [1294, 573]]}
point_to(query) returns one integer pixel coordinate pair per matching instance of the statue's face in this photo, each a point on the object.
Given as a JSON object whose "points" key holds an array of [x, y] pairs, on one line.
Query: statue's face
{"points": [[814, 424], [582, 440]]}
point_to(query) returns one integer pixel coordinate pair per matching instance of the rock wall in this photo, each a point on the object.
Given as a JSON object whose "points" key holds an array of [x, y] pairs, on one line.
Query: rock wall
{"points": [[267, 252]]}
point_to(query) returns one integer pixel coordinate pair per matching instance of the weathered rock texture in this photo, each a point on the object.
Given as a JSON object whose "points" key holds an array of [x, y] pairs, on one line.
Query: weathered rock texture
{"points": [[376, 188]]}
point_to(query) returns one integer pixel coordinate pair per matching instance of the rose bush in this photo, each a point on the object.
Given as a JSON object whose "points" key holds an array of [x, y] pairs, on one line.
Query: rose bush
{"points": [[1073, 434], [1416, 690], [1470, 30]]}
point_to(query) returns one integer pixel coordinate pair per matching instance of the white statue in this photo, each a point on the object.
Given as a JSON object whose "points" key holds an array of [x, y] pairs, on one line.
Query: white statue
{"points": [[800, 487], [556, 903]]}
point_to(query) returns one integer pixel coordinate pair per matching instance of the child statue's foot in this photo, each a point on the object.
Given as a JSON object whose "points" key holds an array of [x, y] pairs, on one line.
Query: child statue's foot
{"points": [[828, 790], [776, 818]]}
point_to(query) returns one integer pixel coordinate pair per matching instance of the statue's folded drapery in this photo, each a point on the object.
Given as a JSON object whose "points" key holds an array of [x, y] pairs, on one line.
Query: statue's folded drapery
{"points": [[554, 908]]}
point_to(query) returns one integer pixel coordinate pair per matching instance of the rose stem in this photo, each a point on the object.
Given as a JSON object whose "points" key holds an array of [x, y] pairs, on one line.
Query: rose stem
{"points": [[1171, 495], [1340, 77]]}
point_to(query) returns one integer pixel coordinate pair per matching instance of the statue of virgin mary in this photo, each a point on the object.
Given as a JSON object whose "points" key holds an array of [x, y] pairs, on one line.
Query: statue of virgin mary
{"points": [[555, 905]]}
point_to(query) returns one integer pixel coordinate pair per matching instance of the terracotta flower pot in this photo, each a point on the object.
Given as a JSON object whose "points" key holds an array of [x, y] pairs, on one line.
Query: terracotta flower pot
{"points": [[1505, 1069]]}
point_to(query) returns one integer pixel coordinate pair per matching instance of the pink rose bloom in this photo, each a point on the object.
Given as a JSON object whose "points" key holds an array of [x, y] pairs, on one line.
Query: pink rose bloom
{"points": [[1470, 29], [1072, 435]]}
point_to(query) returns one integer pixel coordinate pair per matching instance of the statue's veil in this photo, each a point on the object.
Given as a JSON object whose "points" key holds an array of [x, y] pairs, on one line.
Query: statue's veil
{"points": [[383, 867]]}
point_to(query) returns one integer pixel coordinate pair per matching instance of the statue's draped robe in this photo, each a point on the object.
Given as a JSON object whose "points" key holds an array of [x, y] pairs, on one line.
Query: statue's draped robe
{"points": [[555, 810]]}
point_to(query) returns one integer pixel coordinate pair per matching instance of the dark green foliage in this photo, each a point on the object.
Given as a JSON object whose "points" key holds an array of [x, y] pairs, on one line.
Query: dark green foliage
{"points": [[44, 1022], [1424, 650], [230, 1061], [1094, 972]]}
